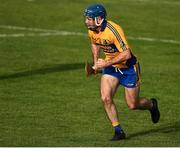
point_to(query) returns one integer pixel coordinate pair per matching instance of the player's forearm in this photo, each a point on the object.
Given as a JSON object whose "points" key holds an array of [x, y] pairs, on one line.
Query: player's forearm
{"points": [[95, 53], [123, 56], [95, 56]]}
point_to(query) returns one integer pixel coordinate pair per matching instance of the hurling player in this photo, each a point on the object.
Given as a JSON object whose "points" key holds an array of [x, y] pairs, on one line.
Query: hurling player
{"points": [[120, 67]]}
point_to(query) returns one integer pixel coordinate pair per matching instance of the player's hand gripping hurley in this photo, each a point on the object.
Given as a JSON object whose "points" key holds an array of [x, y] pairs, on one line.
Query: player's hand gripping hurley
{"points": [[89, 69]]}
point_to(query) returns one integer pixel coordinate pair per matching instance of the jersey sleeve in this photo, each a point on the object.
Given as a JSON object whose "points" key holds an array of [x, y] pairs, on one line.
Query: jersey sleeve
{"points": [[119, 38]]}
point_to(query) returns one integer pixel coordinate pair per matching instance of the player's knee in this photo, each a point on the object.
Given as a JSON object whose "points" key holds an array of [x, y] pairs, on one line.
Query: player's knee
{"points": [[106, 100]]}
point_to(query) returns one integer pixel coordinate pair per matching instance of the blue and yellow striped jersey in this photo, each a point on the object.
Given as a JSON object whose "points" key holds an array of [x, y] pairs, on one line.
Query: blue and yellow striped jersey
{"points": [[112, 40]]}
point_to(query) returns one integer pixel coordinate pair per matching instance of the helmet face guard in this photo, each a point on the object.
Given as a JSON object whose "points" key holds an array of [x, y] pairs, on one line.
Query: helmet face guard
{"points": [[94, 11]]}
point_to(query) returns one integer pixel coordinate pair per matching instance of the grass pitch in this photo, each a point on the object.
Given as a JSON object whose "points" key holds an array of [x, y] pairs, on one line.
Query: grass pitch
{"points": [[45, 98]]}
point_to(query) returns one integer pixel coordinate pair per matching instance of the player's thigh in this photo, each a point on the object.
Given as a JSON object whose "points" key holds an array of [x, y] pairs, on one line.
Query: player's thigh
{"points": [[132, 95], [109, 85]]}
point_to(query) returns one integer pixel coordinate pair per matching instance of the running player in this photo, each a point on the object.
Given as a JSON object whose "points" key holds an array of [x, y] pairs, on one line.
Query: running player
{"points": [[120, 67]]}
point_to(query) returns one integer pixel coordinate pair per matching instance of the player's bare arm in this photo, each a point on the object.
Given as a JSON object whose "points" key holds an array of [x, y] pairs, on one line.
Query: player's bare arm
{"points": [[123, 56], [95, 51]]}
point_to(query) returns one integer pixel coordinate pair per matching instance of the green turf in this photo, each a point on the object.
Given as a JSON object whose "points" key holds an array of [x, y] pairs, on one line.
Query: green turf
{"points": [[45, 98]]}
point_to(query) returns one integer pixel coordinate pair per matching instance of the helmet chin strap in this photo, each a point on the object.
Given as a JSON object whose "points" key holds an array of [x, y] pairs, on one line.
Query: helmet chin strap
{"points": [[96, 22]]}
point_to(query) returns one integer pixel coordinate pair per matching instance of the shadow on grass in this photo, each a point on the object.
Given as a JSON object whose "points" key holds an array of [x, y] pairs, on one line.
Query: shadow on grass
{"points": [[169, 128], [46, 70]]}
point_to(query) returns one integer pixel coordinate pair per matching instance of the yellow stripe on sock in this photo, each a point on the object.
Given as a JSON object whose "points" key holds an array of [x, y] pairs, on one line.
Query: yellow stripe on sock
{"points": [[115, 123]]}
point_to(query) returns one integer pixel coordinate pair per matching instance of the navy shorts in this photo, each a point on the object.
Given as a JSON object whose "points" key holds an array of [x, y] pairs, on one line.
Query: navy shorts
{"points": [[128, 77]]}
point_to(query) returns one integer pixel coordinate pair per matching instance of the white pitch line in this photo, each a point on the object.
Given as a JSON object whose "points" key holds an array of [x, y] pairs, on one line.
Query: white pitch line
{"points": [[154, 40], [60, 33], [48, 32], [26, 28]]}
